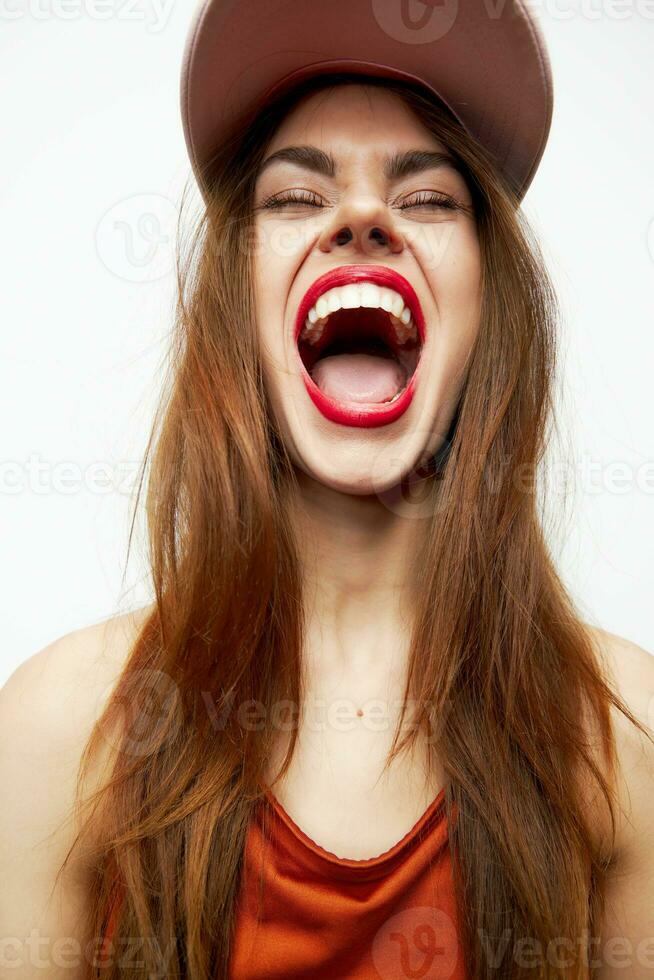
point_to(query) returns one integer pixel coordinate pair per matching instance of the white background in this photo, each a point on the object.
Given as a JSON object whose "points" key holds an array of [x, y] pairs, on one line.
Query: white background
{"points": [[92, 137]]}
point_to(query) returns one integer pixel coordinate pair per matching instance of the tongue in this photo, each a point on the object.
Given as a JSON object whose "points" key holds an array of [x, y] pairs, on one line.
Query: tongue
{"points": [[358, 377]]}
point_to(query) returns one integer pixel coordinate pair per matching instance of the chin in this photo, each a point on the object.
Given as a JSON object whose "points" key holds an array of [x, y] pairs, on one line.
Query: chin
{"points": [[358, 467]]}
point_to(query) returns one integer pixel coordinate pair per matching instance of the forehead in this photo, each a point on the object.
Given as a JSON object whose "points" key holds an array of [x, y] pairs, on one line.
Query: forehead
{"points": [[353, 117], [343, 130]]}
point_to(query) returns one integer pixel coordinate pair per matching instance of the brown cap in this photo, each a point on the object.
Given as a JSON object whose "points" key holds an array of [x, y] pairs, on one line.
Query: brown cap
{"points": [[485, 59]]}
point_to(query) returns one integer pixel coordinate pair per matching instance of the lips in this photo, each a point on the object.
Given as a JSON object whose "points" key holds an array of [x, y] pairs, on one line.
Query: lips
{"points": [[359, 364]]}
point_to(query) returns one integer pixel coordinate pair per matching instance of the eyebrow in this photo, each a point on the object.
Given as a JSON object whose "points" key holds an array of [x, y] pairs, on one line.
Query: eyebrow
{"points": [[396, 165]]}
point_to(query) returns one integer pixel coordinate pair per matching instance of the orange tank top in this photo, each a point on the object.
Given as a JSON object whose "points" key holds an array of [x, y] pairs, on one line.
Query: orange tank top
{"points": [[318, 916]]}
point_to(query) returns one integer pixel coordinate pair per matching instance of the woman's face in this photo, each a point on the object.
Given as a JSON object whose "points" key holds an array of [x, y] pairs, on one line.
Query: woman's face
{"points": [[367, 287]]}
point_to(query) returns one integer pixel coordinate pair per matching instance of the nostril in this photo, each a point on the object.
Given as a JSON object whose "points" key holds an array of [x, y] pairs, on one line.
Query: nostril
{"points": [[344, 236], [377, 234]]}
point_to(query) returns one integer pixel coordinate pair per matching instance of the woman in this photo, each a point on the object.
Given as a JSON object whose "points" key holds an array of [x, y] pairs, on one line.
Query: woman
{"points": [[360, 650]]}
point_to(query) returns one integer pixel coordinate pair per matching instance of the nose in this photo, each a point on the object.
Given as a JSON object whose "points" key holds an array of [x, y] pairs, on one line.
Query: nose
{"points": [[362, 224]]}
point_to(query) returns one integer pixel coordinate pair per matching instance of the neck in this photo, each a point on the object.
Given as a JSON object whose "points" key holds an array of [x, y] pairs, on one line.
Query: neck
{"points": [[356, 553]]}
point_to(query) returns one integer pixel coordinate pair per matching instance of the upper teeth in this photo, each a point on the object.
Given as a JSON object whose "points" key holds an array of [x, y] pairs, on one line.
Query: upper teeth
{"points": [[354, 295]]}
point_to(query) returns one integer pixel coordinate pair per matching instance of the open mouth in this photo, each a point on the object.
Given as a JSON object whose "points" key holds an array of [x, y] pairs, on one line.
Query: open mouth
{"points": [[359, 338]]}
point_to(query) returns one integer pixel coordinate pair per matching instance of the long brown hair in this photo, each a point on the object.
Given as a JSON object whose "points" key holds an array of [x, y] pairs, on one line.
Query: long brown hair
{"points": [[505, 675]]}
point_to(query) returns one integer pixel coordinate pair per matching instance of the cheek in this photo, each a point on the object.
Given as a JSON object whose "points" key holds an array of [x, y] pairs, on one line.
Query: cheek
{"points": [[279, 249], [456, 288], [264, 272], [267, 277], [456, 283]]}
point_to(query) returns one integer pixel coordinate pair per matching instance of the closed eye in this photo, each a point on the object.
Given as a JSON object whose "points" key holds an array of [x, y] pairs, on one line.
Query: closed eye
{"points": [[432, 199], [310, 199], [280, 200]]}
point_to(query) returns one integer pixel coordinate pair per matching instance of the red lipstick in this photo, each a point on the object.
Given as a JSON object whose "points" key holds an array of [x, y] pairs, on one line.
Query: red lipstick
{"points": [[363, 415]]}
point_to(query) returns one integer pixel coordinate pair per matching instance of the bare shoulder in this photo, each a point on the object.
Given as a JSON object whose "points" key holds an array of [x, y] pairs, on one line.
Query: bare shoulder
{"points": [[89, 655], [628, 923], [52, 700], [629, 669], [47, 710]]}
